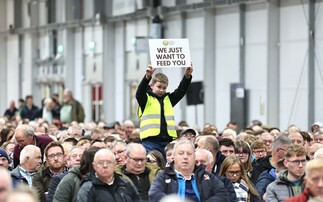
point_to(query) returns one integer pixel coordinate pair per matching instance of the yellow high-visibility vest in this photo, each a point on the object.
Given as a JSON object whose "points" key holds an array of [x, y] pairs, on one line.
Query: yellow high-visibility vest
{"points": [[151, 118]]}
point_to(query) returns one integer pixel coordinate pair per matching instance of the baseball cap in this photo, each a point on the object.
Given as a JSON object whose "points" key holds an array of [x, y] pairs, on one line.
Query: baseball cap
{"points": [[188, 130]]}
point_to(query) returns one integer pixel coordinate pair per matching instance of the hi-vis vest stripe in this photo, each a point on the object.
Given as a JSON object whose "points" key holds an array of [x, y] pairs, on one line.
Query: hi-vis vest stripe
{"points": [[150, 118]]}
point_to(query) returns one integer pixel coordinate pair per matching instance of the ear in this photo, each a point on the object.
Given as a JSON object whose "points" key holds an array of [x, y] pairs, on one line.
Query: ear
{"points": [[285, 163]]}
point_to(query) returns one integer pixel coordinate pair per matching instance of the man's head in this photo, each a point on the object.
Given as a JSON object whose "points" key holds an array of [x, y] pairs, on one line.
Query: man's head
{"points": [[103, 164], [233, 125], [318, 136], [184, 156], [267, 140], [314, 177], [318, 154], [74, 131], [29, 100], [54, 153], [226, 147], [136, 158], [74, 157], [279, 147], [5, 183], [159, 84], [188, 134], [169, 152], [295, 160], [118, 147], [30, 158], [209, 143], [128, 126], [258, 149], [203, 156], [313, 148], [296, 138], [275, 132], [4, 159], [68, 95], [24, 135], [230, 134]]}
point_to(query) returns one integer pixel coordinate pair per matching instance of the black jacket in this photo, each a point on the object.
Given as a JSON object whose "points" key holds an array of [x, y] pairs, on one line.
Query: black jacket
{"points": [[27, 113], [120, 191], [210, 188], [218, 162], [259, 167]]}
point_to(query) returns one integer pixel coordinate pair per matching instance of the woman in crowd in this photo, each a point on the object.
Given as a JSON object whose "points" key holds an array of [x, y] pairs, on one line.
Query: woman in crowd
{"points": [[233, 168], [156, 158]]}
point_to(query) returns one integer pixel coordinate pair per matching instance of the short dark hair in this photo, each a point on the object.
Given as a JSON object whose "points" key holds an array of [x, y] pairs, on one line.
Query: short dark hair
{"points": [[72, 140], [53, 144], [226, 142]]}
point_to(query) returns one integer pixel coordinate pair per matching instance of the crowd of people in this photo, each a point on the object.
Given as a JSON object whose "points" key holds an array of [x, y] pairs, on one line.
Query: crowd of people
{"points": [[49, 154]]}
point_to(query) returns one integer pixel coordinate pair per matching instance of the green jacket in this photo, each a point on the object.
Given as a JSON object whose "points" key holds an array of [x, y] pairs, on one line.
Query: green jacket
{"points": [[69, 186], [153, 172], [41, 182], [77, 113]]}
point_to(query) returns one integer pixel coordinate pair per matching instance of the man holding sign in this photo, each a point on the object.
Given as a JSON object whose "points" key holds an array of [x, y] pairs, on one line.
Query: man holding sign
{"points": [[157, 125]]}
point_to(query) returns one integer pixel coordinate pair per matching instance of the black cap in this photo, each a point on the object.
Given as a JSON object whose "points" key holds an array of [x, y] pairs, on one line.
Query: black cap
{"points": [[188, 130]]}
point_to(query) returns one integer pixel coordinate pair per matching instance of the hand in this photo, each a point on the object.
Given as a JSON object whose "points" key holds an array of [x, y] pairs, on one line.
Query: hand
{"points": [[188, 71], [149, 71]]}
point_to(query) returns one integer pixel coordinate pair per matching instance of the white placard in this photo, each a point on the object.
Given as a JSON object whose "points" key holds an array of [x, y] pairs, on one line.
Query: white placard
{"points": [[169, 53]]}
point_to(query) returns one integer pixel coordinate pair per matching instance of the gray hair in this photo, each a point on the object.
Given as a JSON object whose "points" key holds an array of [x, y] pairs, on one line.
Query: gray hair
{"points": [[26, 129], [134, 146], [280, 140], [28, 151], [68, 91], [182, 142], [208, 154], [229, 131], [104, 151], [116, 142]]}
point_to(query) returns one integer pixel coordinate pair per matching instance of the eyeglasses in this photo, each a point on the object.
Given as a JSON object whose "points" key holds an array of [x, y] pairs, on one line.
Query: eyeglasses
{"points": [[297, 162], [137, 160], [119, 152], [233, 172], [51, 156], [267, 141], [188, 135], [241, 154], [103, 163]]}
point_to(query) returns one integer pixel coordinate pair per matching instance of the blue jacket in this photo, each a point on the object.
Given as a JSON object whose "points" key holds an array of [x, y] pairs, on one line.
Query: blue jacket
{"points": [[264, 180], [209, 187], [17, 178]]}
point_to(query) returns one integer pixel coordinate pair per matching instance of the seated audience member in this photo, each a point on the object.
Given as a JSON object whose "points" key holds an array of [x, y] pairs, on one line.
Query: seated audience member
{"points": [[22, 194], [70, 140], [226, 146], [24, 135], [54, 154], [169, 153], [4, 159], [243, 152], [275, 132], [98, 143], [290, 182], [204, 157], [232, 168], [313, 148], [188, 181], [30, 162], [279, 147], [267, 140], [267, 177], [118, 147], [156, 158], [188, 134], [313, 183], [297, 138], [318, 154], [233, 125], [211, 143], [5, 183], [258, 150], [229, 134], [137, 170], [105, 185], [69, 186]]}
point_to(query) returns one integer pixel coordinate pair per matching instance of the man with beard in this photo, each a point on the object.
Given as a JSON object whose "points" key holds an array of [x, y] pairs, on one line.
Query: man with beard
{"points": [[54, 154]]}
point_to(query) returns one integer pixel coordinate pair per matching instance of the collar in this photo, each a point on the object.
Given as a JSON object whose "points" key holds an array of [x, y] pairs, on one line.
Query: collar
{"points": [[21, 169], [179, 174]]}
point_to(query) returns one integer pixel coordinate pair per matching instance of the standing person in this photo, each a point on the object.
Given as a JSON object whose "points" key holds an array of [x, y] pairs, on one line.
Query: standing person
{"points": [[290, 182], [11, 112], [157, 125], [72, 109], [25, 135], [188, 181], [105, 185], [29, 110]]}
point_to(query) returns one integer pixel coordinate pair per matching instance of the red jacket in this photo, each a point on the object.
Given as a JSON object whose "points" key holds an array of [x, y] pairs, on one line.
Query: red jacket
{"points": [[303, 197]]}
